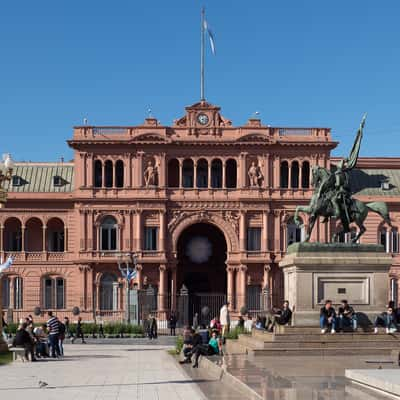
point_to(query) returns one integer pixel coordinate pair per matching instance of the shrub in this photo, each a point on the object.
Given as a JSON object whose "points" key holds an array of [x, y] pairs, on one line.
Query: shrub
{"points": [[235, 332], [179, 344]]}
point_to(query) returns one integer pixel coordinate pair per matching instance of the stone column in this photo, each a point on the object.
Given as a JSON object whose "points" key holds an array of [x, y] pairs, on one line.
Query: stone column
{"points": [[44, 230], [242, 289], [301, 176], [128, 171], [162, 171], [180, 173], [103, 174], [82, 226], [266, 171], [224, 174], [1, 238], [162, 230], [230, 271], [138, 231], [276, 172], [242, 231], [264, 244], [22, 238], [97, 296], [89, 173], [209, 161], [65, 238], [139, 276], [277, 231], [139, 182], [162, 290], [242, 170], [195, 173], [290, 175]]}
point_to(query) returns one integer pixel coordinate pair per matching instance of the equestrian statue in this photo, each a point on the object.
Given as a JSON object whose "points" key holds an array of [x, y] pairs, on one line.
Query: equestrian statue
{"points": [[332, 197]]}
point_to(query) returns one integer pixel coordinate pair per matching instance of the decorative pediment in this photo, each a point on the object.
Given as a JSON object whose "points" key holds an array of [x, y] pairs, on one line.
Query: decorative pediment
{"points": [[254, 137]]}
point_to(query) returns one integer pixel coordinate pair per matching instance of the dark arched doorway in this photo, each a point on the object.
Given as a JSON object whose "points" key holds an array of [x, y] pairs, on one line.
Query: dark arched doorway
{"points": [[201, 259]]}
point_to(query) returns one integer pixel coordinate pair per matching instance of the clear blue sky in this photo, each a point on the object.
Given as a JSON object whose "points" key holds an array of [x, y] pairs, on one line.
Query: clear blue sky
{"points": [[300, 63]]}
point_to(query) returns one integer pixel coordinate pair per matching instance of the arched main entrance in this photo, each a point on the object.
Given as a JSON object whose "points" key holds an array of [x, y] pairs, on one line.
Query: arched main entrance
{"points": [[202, 254]]}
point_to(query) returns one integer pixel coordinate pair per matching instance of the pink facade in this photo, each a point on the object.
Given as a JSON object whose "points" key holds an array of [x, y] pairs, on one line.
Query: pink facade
{"points": [[151, 189]]}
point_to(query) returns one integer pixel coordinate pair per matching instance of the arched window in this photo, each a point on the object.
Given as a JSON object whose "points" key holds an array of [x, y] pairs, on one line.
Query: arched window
{"points": [[187, 173], [216, 173], [98, 174], [119, 173], [231, 173], [202, 173], [173, 173], [12, 235], [108, 167], [294, 233], [34, 235], [55, 235], [108, 234], [284, 174], [53, 293], [294, 176], [108, 292], [305, 175]]}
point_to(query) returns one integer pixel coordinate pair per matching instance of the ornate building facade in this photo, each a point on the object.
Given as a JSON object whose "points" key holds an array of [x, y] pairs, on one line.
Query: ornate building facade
{"points": [[206, 206]]}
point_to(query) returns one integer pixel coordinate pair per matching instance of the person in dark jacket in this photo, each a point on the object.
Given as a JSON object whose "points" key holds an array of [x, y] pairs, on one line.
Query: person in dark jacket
{"points": [[280, 317], [23, 339], [172, 323], [153, 328], [195, 340], [79, 332], [347, 316], [327, 319]]}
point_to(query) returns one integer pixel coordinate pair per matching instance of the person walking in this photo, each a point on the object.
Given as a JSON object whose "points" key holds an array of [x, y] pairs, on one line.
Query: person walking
{"points": [[53, 327], [79, 331], [224, 319], [68, 333], [172, 324], [61, 337], [153, 327], [101, 328]]}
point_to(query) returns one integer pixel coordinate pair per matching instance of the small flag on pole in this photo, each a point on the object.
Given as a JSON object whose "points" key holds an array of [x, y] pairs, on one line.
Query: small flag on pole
{"points": [[210, 36]]}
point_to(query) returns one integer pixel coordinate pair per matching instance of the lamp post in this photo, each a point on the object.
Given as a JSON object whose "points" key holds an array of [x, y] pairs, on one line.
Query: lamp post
{"points": [[128, 274], [5, 175]]}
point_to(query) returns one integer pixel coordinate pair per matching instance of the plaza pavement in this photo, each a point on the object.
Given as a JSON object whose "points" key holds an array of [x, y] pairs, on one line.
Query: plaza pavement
{"points": [[101, 372]]}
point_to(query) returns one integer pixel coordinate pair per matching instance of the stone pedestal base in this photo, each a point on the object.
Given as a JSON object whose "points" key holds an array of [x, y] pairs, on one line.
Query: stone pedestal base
{"points": [[315, 272]]}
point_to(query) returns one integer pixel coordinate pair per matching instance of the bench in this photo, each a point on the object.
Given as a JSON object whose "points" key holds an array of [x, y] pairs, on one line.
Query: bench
{"points": [[18, 352]]}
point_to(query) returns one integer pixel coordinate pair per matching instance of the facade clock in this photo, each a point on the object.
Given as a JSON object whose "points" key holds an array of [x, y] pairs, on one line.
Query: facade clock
{"points": [[202, 119]]}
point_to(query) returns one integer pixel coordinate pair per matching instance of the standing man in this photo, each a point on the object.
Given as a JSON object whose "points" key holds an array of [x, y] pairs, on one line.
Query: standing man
{"points": [[224, 319], [53, 327], [172, 323]]}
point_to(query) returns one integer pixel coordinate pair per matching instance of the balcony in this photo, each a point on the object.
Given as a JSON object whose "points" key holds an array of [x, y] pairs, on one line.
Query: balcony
{"points": [[35, 256]]}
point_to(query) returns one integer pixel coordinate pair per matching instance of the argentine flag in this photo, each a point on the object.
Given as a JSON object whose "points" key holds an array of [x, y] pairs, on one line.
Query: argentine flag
{"points": [[211, 37], [7, 264]]}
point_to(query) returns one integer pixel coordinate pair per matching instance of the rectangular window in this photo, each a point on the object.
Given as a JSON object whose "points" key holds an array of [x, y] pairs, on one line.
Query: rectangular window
{"points": [[48, 293], [60, 293], [254, 239], [5, 283], [18, 293], [395, 241], [150, 238]]}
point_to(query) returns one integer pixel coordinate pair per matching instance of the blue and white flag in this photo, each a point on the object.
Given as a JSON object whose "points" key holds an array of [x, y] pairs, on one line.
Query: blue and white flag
{"points": [[7, 264], [211, 37], [131, 275]]}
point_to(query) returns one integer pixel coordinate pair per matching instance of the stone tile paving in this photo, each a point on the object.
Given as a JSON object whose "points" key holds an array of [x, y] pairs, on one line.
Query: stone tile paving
{"points": [[305, 378], [101, 372]]}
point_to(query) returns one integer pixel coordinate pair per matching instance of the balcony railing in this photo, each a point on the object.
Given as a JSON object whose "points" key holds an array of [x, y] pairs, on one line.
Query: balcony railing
{"points": [[33, 256], [295, 131]]}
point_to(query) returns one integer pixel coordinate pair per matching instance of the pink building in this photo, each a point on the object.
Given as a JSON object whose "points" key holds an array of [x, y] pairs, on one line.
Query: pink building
{"points": [[206, 206]]}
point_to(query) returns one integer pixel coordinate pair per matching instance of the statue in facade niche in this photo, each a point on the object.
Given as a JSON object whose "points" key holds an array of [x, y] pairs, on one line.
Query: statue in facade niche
{"points": [[255, 175], [332, 197], [150, 174]]}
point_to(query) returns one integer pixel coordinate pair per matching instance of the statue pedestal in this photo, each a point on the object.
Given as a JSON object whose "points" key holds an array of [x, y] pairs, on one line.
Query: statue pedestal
{"points": [[315, 272]]}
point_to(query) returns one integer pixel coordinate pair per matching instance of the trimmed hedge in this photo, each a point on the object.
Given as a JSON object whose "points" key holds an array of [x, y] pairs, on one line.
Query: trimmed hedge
{"points": [[235, 332]]}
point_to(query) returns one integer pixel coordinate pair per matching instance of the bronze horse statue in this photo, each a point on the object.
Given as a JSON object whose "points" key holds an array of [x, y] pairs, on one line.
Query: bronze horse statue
{"points": [[321, 206]]}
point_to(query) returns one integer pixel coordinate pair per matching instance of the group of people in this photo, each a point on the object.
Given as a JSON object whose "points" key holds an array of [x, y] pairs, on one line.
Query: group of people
{"points": [[46, 339], [346, 318], [278, 316]]}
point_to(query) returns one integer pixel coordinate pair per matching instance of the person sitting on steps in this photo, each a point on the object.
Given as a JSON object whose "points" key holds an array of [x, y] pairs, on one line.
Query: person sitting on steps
{"points": [[347, 316], [213, 347], [195, 340], [387, 319], [327, 319], [280, 317]]}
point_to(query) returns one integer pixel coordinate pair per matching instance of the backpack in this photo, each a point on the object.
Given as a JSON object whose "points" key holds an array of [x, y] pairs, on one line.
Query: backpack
{"points": [[61, 327]]}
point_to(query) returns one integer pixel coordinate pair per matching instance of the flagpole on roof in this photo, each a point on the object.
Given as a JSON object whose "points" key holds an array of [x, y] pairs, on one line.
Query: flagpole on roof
{"points": [[202, 97]]}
